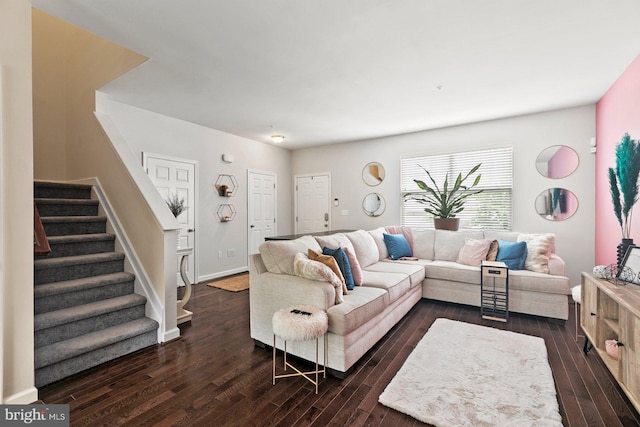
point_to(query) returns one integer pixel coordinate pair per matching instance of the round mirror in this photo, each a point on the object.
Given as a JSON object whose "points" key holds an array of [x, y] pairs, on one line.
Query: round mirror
{"points": [[373, 174], [374, 204], [557, 161], [556, 204]]}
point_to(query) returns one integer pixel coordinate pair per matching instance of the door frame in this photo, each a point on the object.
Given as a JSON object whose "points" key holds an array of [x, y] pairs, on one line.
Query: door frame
{"points": [[295, 198], [196, 201], [275, 203]]}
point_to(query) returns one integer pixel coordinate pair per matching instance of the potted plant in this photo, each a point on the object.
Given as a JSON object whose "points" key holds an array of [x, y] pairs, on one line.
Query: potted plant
{"points": [[446, 202], [177, 206], [623, 186]]}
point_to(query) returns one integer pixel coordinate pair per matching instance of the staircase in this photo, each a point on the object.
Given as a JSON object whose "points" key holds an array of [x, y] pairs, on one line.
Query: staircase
{"points": [[86, 311]]}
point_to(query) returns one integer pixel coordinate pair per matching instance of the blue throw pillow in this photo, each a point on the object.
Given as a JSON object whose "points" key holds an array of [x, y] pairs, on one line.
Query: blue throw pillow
{"points": [[343, 264], [512, 253], [397, 245]]}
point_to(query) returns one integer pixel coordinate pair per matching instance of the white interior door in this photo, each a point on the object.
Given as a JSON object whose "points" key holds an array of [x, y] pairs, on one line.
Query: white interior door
{"points": [[312, 204], [261, 208], [172, 176]]}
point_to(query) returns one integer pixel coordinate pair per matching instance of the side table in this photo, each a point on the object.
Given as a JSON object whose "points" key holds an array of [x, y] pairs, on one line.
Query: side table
{"points": [[494, 291], [300, 323]]}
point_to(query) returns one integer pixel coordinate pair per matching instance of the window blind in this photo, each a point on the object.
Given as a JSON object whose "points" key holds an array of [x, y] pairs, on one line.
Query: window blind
{"points": [[491, 209]]}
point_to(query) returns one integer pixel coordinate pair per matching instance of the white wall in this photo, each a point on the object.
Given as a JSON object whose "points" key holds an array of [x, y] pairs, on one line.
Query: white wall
{"points": [[16, 205], [528, 135], [146, 131]]}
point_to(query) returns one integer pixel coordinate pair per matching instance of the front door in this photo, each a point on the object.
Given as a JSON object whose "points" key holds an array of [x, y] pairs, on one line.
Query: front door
{"points": [[261, 208], [312, 204], [177, 177]]}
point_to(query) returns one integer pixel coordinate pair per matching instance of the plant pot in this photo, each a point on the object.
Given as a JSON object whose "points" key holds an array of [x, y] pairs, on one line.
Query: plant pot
{"points": [[450, 224], [622, 250]]}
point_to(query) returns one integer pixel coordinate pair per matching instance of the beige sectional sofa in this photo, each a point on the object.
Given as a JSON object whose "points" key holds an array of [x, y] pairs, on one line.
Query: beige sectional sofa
{"points": [[389, 288]]}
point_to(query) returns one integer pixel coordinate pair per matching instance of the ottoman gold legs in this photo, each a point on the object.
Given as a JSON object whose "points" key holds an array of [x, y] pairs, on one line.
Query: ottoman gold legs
{"points": [[298, 373]]}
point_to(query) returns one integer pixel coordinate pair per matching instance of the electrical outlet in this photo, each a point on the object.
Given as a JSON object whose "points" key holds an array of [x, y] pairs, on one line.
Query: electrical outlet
{"points": [[231, 252], [219, 254]]}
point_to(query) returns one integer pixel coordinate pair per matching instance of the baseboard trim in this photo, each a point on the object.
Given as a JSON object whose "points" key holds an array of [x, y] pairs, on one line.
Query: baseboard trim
{"points": [[24, 397], [220, 274]]}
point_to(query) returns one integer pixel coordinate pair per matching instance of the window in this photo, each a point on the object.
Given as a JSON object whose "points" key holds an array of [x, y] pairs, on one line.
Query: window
{"points": [[489, 210]]}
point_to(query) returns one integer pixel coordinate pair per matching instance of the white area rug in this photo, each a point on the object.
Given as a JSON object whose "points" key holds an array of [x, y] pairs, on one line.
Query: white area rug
{"points": [[461, 374]]}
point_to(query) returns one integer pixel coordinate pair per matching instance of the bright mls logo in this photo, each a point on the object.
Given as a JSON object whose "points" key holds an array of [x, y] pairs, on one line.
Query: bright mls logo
{"points": [[35, 415]]}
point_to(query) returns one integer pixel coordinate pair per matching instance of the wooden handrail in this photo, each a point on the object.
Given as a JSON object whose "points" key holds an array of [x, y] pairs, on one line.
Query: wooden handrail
{"points": [[40, 242]]}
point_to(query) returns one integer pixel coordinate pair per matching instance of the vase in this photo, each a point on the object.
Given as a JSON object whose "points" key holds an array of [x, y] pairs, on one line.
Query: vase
{"points": [[622, 250], [450, 224]]}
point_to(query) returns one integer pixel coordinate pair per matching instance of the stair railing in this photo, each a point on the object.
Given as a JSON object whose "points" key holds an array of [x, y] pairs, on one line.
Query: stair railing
{"points": [[40, 242]]}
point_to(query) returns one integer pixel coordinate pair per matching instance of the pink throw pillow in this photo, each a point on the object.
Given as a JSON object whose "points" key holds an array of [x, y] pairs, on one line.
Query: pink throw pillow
{"points": [[356, 271], [473, 252]]}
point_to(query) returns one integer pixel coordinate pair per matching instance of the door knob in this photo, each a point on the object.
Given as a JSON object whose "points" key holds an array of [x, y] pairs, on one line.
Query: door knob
{"points": [[191, 230], [252, 226]]}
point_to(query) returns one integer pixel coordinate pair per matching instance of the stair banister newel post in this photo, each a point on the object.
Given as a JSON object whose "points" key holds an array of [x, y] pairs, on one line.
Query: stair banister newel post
{"points": [[184, 315]]}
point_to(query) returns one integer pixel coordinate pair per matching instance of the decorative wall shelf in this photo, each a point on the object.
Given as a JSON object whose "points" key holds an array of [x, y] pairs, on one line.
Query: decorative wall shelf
{"points": [[226, 185], [226, 212]]}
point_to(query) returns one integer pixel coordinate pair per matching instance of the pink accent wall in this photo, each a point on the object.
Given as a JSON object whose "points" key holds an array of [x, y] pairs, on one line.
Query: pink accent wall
{"points": [[617, 113]]}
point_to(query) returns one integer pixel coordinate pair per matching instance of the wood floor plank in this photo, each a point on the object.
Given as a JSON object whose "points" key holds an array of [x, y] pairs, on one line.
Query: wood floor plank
{"points": [[214, 375]]}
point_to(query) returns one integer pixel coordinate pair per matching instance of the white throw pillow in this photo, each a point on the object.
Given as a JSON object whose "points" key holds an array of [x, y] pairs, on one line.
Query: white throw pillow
{"points": [[315, 270], [539, 249]]}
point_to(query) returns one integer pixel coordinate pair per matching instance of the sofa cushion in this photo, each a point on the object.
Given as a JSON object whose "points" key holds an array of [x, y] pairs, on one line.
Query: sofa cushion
{"points": [[360, 306], [448, 243], [449, 270], [512, 253], [277, 255], [314, 270], [337, 240], [473, 252], [538, 282], [413, 269], [378, 238], [365, 247], [511, 236], [423, 241], [343, 263], [396, 284], [397, 246], [539, 249]]}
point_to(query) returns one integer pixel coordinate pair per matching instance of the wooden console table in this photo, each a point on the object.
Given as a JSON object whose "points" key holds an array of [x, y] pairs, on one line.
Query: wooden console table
{"points": [[610, 312]]}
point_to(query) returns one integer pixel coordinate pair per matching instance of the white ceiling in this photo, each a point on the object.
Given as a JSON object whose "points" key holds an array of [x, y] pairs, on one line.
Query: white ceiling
{"points": [[330, 71]]}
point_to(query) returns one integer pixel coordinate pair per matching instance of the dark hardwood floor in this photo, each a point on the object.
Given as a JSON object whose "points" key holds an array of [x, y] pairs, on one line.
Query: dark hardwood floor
{"points": [[214, 376]]}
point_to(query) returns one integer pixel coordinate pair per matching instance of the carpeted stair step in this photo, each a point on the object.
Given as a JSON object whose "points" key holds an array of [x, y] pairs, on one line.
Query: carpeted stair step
{"points": [[68, 323], [72, 225], [70, 293], [67, 207], [54, 190], [81, 244], [65, 358], [50, 270]]}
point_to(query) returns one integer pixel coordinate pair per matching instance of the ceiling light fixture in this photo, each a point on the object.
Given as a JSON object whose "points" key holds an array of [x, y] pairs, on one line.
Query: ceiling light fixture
{"points": [[277, 138]]}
